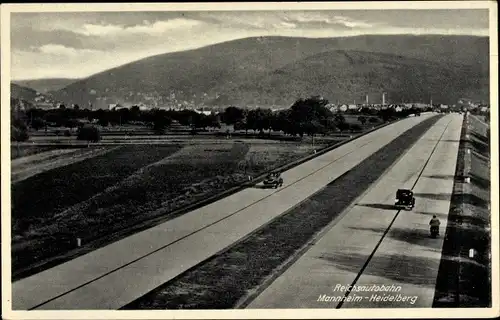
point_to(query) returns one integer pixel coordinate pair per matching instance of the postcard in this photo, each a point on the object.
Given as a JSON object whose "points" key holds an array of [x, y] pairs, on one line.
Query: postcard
{"points": [[250, 160]]}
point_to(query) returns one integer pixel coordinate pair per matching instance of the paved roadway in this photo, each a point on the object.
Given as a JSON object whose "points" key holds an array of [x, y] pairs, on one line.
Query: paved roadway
{"points": [[115, 275], [375, 244]]}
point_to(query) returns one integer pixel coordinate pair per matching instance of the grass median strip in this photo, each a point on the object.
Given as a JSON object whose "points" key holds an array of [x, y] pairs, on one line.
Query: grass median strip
{"points": [[223, 280]]}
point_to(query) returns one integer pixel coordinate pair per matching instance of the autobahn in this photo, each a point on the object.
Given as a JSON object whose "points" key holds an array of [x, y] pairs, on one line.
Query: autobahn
{"points": [[111, 277], [377, 256]]}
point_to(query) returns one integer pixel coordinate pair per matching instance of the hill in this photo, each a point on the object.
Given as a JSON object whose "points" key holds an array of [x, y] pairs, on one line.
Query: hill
{"points": [[45, 85], [20, 92], [348, 76], [208, 74]]}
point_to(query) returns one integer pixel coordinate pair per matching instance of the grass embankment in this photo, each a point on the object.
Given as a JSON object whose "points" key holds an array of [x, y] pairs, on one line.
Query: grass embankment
{"points": [[465, 282], [103, 199], [223, 280]]}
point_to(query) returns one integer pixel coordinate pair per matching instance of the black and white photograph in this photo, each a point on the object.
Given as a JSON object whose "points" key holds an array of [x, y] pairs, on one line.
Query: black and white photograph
{"points": [[258, 160]]}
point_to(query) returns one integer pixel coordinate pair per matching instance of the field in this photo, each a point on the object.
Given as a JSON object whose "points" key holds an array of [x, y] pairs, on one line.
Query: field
{"points": [[127, 185], [28, 166], [37, 201]]}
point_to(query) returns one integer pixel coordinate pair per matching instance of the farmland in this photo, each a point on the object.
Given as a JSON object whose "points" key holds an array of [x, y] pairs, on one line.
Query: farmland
{"points": [[127, 185], [28, 166], [37, 201]]}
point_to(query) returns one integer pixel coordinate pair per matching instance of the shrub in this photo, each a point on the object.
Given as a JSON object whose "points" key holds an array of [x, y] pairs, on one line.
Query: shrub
{"points": [[90, 134]]}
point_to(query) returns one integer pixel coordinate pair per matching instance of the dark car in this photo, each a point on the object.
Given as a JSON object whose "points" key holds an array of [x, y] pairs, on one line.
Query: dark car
{"points": [[273, 180], [405, 198]]}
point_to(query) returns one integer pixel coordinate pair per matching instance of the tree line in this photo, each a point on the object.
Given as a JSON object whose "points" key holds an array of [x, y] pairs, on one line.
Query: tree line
{"points": [[305, 117]]}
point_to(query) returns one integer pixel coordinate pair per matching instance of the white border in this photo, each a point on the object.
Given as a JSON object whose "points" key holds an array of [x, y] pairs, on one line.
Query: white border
{"points": [[6, 9]]}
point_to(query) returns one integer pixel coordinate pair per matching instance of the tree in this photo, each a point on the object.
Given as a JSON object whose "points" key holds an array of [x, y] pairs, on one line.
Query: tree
{"points": [[240, 126], [54, 117], [124, 115], [309, 116], [233, 115], [72, 123], [330, 125], [213, 121], [252, 120], [18, 127], [18, 130], [362, 119], [259, 119], [135, 113], [103, 121], [88, 133], [387, 114], [339, 118], [37, 123], [160, 123]]}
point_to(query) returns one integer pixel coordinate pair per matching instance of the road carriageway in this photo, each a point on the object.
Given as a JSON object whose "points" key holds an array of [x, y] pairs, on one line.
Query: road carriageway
{"points": [[374, 247], [115, 275]]}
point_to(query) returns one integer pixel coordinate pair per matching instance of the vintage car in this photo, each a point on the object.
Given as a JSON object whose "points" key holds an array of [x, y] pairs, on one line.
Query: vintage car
{"points": [[405, 198], [273, 180]]}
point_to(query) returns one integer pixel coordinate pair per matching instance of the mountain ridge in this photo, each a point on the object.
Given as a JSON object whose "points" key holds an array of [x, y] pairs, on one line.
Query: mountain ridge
{"points": [[204, 74], [45, 85]]}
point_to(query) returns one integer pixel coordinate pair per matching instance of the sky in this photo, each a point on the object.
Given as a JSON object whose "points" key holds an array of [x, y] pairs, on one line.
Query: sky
{"points": [[79, 44]]}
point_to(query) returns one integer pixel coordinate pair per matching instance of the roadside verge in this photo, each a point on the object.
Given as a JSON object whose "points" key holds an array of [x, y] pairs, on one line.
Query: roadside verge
{"points": [[464, 277]]}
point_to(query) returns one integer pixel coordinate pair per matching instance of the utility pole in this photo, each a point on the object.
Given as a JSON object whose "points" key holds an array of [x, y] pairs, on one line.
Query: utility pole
{"points": [[383, 99]]}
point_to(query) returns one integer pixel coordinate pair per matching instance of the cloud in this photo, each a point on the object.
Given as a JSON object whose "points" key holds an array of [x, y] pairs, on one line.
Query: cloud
{"points": [[162, 26], [98, 30], [433, 31], [58, 49], [315, 18], [147, 27], [351, 23], [287, 24]]}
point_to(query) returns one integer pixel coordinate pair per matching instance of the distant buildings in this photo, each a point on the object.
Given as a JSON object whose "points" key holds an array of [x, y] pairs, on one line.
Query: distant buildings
{"points": [[205, 112]]}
